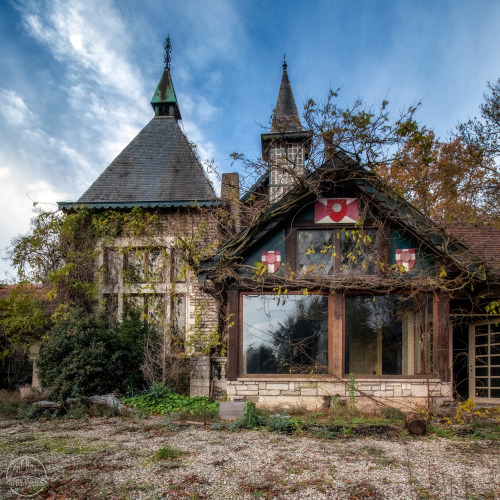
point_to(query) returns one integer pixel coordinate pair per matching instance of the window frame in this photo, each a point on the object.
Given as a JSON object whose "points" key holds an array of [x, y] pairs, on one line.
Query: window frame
{"points": [[292, 251], [336, 341]]}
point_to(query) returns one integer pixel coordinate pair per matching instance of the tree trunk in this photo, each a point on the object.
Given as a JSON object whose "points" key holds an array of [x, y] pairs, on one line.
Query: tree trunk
{"points": [[415, 424]]}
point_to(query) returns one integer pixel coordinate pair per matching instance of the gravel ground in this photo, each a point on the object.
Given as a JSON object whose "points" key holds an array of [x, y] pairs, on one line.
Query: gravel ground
{"points": [[115, 459]]}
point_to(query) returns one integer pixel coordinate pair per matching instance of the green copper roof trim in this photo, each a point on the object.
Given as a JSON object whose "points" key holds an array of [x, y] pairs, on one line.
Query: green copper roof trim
{"points": [[143, 204], [165, 94]]}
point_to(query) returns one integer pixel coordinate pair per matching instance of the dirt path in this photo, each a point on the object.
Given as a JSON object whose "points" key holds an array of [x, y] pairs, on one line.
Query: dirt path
{"points": [[115, 459]]}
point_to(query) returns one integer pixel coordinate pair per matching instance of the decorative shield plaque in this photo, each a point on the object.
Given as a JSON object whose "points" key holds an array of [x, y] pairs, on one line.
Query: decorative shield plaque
{"points": [[406, 257], [336, 210], [272, 260]]}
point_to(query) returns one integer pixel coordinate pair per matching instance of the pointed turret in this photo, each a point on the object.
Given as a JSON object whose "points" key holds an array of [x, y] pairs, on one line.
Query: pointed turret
{"points": [[286, 146], [164, 100], [158, 168], [285, 116]]}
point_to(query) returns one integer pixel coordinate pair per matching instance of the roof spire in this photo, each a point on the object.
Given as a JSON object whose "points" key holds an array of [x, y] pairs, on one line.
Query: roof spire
{"points": [[285, 116], [164, 100], [168, 49]]}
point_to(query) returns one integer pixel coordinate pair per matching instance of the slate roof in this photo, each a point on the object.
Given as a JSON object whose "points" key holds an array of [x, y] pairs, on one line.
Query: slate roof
{"points": [[158, 166], [482, 241], [285, 116]]}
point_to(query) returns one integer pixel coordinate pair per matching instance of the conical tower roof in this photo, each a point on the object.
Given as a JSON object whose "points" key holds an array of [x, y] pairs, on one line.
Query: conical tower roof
{"points": [[158, 167], [285, 116]]}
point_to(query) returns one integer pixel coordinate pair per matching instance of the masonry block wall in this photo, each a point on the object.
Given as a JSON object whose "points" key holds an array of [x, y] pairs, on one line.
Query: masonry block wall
{"points": [[316, 394], [174, 293]]}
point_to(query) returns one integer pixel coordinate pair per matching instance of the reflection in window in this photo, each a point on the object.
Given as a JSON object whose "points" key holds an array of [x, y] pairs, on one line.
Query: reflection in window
{"points": [[136, 261], [358, 251], [112, 266], [179, 315], [155, 308], [321, 251], [155, 265], [285, 334], [388, 335], [145, 265], [316, 251]]}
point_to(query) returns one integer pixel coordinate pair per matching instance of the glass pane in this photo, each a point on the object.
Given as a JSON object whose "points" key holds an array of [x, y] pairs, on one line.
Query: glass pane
{"points": [[482, 339], [482, 361], [495, 338], [481, 329], [495, 382], [482, 372], [482, 350], [155, 308], [495, 360], [179, 315], [112, 266], [358, 251], [285, 334], [495, 371], [381, 333], [481, 382], [495, 393], [135, 265], [315, 251], [155, 265], [495, 349]]}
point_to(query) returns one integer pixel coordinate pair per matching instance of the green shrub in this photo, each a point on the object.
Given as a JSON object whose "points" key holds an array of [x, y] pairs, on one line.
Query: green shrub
{"points": [[169, 453], [219, 426], [90, 354], [279, 423], [160, 399]]}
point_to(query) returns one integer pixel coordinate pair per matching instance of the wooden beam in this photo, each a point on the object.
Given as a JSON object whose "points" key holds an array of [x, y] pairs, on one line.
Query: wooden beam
{"points": [[336, 307], [233, 347], [441, 312]]}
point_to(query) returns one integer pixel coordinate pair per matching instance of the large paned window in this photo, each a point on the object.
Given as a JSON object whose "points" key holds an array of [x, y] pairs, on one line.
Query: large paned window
{"points": [[485, 360], [388, 335], [324, 251], [143, 265], [382, 335], [285, 334]]}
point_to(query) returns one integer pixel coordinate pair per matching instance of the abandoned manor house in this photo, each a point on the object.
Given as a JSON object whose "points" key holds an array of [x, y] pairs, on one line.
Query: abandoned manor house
{"points": [[310, 285]]}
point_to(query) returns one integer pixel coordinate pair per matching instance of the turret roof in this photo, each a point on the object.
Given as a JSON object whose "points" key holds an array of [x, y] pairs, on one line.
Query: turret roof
{"points": [[285, 116]]}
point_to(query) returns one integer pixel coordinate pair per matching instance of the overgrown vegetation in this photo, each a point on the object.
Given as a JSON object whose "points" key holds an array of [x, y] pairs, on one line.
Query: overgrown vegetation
{"points": [[161, 399], [89, 353]]}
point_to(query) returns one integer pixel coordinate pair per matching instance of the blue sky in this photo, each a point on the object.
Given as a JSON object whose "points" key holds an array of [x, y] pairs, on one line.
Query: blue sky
{"points": [[76, 77]]}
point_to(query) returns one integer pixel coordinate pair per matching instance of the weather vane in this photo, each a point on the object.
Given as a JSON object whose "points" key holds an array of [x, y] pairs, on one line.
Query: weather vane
{"points": [[168, 49], [284, 61]]}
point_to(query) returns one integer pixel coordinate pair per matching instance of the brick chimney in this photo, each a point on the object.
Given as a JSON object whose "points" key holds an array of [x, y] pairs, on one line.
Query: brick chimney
{"points": [[230, 194]]}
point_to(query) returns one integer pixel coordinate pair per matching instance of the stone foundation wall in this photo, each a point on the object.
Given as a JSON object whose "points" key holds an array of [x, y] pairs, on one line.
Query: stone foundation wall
{"points": [[199, 383], [207, 377], [315, 394]]}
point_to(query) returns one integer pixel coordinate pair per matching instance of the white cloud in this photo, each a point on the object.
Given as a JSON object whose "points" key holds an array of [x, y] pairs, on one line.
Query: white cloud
{"points": [[13, 108], [91, 35]]}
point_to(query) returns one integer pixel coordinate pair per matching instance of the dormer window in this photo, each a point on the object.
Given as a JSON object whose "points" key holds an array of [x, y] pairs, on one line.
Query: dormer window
{"points": [[324, 251]]}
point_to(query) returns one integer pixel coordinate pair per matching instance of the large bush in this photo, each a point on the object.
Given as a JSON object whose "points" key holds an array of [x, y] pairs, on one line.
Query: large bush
{"points": [[92, 354]]}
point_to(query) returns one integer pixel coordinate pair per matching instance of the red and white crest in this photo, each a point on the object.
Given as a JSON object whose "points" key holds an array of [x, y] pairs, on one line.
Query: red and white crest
{"points": [[406, 257], [272, 260], [328, 210]]}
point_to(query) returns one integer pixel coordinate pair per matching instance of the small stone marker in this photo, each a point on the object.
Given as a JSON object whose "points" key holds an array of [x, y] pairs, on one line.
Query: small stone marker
{"points": [[231, 411]]}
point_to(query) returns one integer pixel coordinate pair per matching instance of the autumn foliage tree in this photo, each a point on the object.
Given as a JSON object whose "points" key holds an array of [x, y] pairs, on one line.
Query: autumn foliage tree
{"points": [[444, 180]]}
